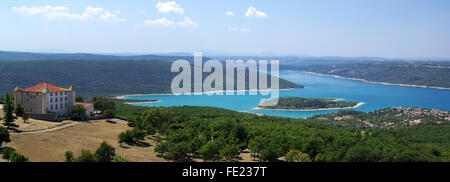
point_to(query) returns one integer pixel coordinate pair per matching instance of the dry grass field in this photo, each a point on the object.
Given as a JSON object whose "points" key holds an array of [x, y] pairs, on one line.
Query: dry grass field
{"points": [[51, 146], [35, 125], [246, 157]]}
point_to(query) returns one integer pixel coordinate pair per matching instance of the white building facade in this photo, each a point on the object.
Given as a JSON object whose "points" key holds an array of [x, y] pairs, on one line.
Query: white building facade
{"points": [[46, 101]]}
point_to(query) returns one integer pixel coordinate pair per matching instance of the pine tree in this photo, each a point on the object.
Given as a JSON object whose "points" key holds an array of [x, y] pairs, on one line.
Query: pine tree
{"points": [[8, 108], [25, 117]]}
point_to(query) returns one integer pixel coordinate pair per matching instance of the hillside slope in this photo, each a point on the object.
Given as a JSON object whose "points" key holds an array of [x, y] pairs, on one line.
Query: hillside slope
{"points": [[424, 74], [95, 77]]}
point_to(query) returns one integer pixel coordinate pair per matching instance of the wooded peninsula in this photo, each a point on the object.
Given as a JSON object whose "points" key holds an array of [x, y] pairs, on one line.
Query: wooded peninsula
{"points": [[304, 104]]}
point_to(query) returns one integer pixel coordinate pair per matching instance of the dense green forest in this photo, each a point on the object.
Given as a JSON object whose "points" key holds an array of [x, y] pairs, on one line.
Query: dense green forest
{"points": [[91, 78], [415, 73], [308, 103], [213, 134]]}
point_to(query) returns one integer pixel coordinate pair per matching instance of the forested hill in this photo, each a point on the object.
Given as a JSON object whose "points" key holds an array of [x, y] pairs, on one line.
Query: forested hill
{"points": [[298, 103], [424, 74], [91, 78], [28, 56], [214, 134]]}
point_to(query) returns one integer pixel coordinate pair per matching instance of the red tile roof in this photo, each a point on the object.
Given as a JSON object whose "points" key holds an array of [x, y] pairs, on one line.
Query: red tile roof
{"points": [[40, 87], [86, 105]]}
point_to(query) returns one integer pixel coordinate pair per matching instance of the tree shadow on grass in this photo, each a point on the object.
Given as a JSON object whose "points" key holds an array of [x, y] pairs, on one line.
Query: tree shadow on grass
{"points": [[123, 146], [111, 122], [143, 144], [137, 144], [13, 125], [14, 128]]}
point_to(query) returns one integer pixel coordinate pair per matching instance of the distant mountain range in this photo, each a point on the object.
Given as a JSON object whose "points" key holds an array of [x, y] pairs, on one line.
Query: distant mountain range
{"points": [[299, 60], [29, 56]]}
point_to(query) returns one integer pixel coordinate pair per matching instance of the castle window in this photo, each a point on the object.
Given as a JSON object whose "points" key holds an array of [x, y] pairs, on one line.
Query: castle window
{"points": [[60, 99], [51, 99], [61, 106], [51, 107], [51, 94], [65, 98], [56, 106]]}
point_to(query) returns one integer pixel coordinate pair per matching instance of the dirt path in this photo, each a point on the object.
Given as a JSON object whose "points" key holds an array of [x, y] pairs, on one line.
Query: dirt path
{"points": [[47, 130]]}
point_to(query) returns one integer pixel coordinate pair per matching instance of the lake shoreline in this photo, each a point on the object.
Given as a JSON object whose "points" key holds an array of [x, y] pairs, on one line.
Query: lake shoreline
{"points": [[144, 102], [321, 109], [201, 93], [383, 83]]}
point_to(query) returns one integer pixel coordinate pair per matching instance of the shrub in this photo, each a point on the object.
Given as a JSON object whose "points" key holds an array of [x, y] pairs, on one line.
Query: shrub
{"points": [[69, 156], [86, 156], [7, 152], [17, 157], [105, 153], [4, 135], [79, 112], [79, 98], [297, 156], [230, 152], [108, 114], [131, 136], [118, 158], [19, 110], [103, 103]]}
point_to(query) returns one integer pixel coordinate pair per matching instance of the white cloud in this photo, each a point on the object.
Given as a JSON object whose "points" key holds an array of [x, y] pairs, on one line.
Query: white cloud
{"points": [[164, 22], [187, 22], [229, 13], [239, 29], [168, 7], [253, 12], [158, 22], [61, 12]]}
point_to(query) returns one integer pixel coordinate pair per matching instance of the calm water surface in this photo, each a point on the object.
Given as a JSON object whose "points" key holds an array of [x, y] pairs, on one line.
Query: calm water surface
{"points": [[375, 96]]}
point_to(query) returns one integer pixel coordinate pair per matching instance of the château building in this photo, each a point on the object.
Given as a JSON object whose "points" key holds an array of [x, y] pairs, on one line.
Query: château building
{"points": [[46, 101]]}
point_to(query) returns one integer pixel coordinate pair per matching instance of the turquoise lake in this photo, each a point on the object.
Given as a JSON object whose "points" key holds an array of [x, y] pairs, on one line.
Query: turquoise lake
{"points": [[375, 96]]}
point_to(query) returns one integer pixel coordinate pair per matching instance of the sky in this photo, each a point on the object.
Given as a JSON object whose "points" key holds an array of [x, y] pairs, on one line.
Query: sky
{"points": [[351, 28]]}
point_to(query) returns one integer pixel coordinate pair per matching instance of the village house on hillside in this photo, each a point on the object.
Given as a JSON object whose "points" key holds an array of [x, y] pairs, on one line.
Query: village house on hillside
{"points": [[89, 108], [46, 101]]}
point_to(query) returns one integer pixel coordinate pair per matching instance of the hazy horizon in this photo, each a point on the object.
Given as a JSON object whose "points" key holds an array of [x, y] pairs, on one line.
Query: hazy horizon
{"points": [[225, 54]]}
